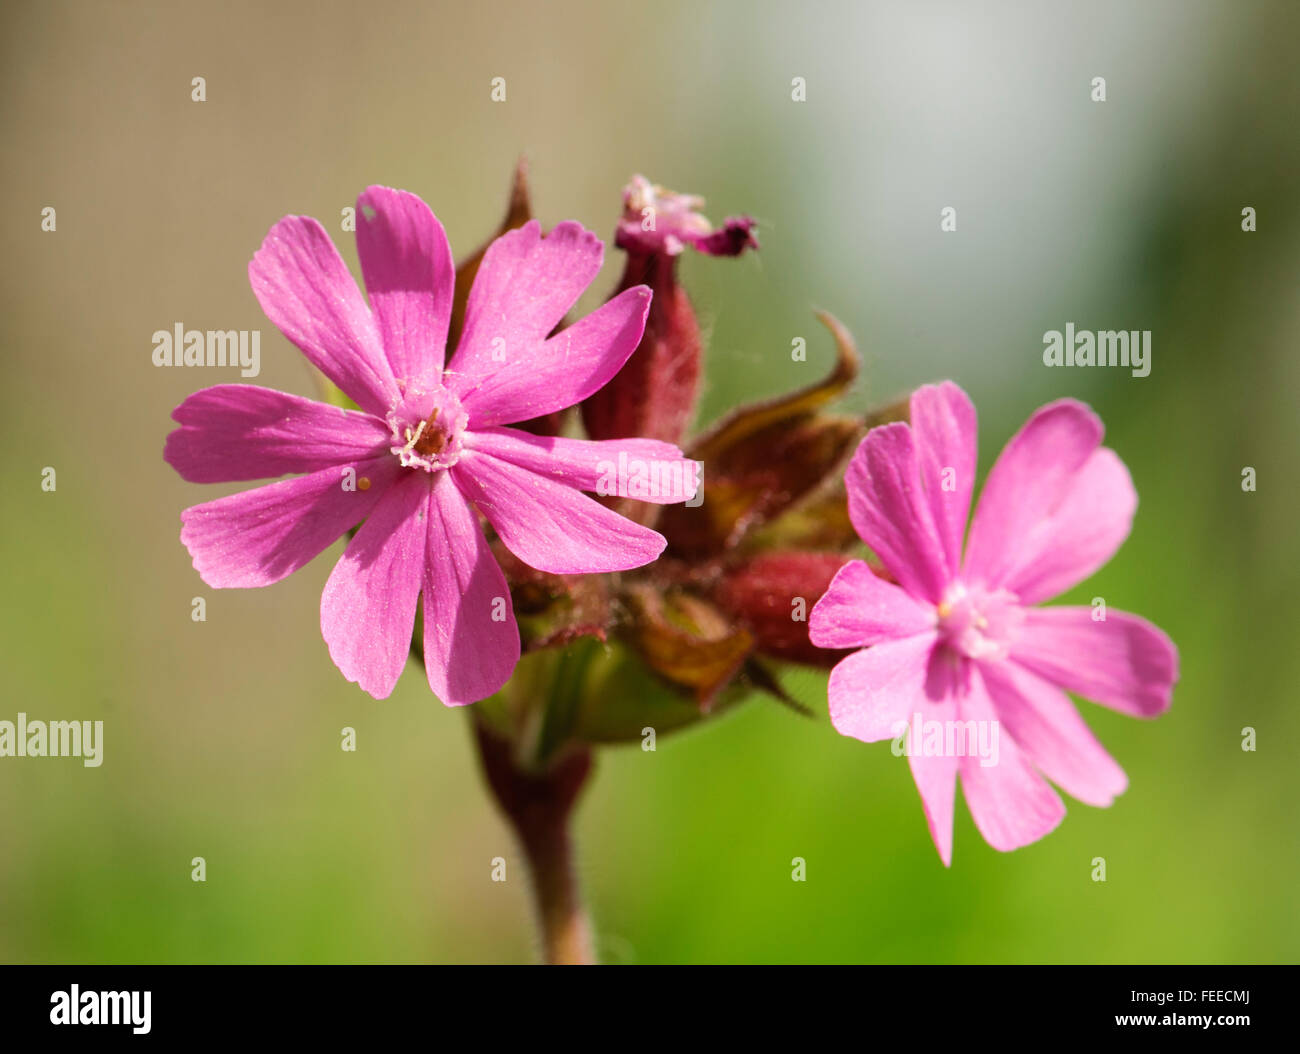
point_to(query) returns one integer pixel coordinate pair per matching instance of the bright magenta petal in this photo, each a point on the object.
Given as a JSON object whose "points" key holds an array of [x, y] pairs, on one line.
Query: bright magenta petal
{"points": [[945, 433], [645, 469], [524, 286], [262, 535], [306, 289], [888, 508], [550, 526], [872, 690], [860, 608], [1049, 731], [1032, 477], [1081, 534], [238, 431], [367, 610], [538, 379], [1123, 662], [410, 279], [1011, 804], [471, 641]]}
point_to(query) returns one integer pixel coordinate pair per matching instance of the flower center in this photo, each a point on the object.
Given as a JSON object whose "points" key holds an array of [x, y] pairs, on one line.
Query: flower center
{"points": [[979, 623], [427, 430]]}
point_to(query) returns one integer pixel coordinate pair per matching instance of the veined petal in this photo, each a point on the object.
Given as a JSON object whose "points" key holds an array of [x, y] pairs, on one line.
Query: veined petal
{"points": [[1123, 662], [265, 534], [935, 774], [305, 288], [1032, 477], [889, 511], [471, 640], [239, 431], [945, 433], [550, 526], [1049, 731], [644, 469], [525, 285], [1081, 535], [410, 279], [1011, 804], [367, 610], [861, 608], [542, 377], [875, 689]]}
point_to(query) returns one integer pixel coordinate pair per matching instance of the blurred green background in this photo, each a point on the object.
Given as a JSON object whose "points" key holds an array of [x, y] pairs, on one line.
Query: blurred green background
{"points": [[222, 738]]}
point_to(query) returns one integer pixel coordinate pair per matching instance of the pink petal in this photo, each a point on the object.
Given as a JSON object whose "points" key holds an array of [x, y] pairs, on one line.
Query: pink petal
{"points": [[410, 279], [1051, 734], [936, 783], [626, 467], [1032, 477], [872, 690], [540, 378], [860, 608], [262, 535], [1083, 532], [307, 291], [239, 431], [1124, 662], [367, 611], [471, 641], [524, 286], [550, 526], [1011, 804], [888, 508], [935, 775], [945, 433]]}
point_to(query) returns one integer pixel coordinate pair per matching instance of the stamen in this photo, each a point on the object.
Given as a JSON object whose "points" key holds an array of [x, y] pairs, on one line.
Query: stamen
{"points": [[411, 439], [431, 444]]}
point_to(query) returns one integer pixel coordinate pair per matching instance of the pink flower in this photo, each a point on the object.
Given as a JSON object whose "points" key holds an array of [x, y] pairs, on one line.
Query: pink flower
{"points": [[956, 650], [428, 446]]}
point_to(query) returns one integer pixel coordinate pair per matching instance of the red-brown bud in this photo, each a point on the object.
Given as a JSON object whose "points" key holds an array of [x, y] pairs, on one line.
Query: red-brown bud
{"points": [[772, 595]]}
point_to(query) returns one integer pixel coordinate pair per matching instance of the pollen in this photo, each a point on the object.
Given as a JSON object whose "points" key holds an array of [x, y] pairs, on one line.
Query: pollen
{"points": [[363, 483], [945, 609]]}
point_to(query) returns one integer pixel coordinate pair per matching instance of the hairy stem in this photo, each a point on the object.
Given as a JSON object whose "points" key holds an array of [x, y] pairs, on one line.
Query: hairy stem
{"points": [[538, 806]]}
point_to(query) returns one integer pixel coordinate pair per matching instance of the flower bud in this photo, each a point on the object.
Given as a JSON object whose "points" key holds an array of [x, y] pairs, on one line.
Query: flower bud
{"points": [[772, 594]]}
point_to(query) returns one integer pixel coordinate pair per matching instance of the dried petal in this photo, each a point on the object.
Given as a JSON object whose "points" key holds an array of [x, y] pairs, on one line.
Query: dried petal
{"points": [[654, 394], [660, 221], [686, 640]]}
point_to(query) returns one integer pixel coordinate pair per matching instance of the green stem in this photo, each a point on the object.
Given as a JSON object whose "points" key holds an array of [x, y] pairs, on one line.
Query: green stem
{"points": [[538, 806]]}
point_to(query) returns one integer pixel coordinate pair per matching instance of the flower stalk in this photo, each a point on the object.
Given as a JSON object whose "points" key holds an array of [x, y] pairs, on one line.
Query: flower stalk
{"points": [[539, 806]]}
